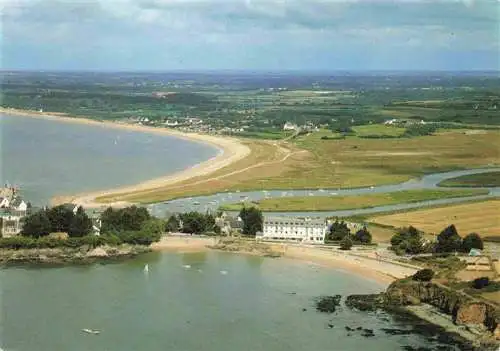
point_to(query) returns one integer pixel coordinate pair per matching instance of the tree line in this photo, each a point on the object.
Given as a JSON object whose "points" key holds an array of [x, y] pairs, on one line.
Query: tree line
{"points": [[409, 240], [340, 232]]}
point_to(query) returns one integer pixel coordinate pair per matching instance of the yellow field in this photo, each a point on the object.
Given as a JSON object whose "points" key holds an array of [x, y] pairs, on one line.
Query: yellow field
{"points": [[480, 217]]}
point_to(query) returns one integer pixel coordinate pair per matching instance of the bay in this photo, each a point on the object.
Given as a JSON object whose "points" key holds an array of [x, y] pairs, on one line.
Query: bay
{"points": [[48, 158], [199, 301]]}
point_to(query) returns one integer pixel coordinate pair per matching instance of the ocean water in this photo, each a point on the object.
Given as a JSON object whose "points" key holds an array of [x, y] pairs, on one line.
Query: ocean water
{"points": [[49, 158], [189, 302]]}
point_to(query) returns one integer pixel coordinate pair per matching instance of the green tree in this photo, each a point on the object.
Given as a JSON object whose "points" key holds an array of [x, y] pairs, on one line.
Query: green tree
{"points": [[124, 219], [60, 218], [80, 224], [472, 241], [363, 236], [36, 225], [252, 220], [338, 231], [153, 226], [193, 222], [407, 240], [346, 243], [172, 224], [448, 240]]}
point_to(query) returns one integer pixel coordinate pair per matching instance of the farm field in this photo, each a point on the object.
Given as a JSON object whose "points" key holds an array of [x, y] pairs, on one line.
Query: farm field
{"points": [[480, 217], [329, 203], [490, 179]]}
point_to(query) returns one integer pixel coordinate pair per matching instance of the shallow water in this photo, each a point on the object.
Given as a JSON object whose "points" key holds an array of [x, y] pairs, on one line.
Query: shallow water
{"points": [[186, 303], [47, 158]]}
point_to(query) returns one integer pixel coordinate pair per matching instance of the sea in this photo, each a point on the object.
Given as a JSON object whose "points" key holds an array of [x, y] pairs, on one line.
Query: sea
{"points": [[209, 301], [47, 158]]}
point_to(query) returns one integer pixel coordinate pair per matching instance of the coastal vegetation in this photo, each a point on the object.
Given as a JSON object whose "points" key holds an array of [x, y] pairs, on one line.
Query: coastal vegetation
{"points": [[62, 227], [334, 202], [409, 240], [58, 219], [476, 217], [252, 220], [489, 179], [339, 233]]}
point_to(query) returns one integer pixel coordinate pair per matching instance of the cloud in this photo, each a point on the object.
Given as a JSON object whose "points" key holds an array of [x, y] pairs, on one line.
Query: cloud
{"points": [[171, 31]]}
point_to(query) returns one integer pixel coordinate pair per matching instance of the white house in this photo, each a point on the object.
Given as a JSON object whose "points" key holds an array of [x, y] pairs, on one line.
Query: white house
{"points": [[294, 229], [4, 202], [19, 205], [10, 225], [289, 126], [171, 123]]}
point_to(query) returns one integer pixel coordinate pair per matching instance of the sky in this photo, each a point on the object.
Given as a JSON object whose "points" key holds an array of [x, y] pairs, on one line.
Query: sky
{"points": [[255, 35]]}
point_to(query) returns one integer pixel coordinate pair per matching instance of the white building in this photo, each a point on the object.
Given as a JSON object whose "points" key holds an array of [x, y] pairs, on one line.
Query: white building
{"points": [[289, 126], [294, 229], [10, 225], [4, 202]]}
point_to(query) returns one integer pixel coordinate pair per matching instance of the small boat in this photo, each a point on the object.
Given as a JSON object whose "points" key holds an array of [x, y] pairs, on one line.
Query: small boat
{"points": [[146, 268], [223, 272], [91, 331], [196, 203], [187, 266], [333, 194], [311, 194]]}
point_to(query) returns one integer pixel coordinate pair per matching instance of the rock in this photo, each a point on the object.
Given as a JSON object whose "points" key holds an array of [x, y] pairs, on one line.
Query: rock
{"points": [[370, 302], [348, 328], [391, 331], [328, 304], [304, 309], [330, 325], [359, 328]]}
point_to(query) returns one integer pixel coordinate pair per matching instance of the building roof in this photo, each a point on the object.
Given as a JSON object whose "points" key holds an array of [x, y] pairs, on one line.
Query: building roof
{"points": [[16, 201], [301, 220]]}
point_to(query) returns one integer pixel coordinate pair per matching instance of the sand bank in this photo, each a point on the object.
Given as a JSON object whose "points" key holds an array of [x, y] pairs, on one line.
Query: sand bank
{"points": [[230, 151], [381, 271]]}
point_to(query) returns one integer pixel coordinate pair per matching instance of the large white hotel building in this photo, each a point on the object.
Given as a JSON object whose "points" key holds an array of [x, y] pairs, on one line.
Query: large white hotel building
{"points": [[294, 229]]}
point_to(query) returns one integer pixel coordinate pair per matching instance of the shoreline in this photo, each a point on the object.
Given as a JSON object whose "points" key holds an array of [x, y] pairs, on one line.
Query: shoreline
{"points": [[381, 272], [229, 149]]}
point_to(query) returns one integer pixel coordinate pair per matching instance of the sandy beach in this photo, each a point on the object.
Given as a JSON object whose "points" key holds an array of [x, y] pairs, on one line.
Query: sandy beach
{"points": [[382, 271], [230, 151]]}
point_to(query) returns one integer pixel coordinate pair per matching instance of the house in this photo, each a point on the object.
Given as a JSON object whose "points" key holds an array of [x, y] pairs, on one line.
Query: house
{"points": [[19, 206], [391, 122], [289, 126], [4, 202], [10, 225], [294, 229], [229, 224], [170, 123]]}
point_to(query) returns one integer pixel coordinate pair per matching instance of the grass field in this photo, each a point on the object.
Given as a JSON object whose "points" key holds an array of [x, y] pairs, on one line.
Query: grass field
{"points": [[490, 179], [378, 130], [310, 162], [480, 217], [329, 203]]}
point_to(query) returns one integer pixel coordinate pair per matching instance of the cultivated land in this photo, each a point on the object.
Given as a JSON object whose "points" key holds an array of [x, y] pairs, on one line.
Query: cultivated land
{"points": [[330, 203], [342, 140], [490, 179], [479, 217]]}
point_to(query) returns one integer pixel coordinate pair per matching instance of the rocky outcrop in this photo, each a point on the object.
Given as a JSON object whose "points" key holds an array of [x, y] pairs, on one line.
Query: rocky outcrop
{"points": [[61, 256], [463, 308]]}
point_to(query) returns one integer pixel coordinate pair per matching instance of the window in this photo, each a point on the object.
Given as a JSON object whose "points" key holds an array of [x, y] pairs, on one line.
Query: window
{"points": [[311, 238]]}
